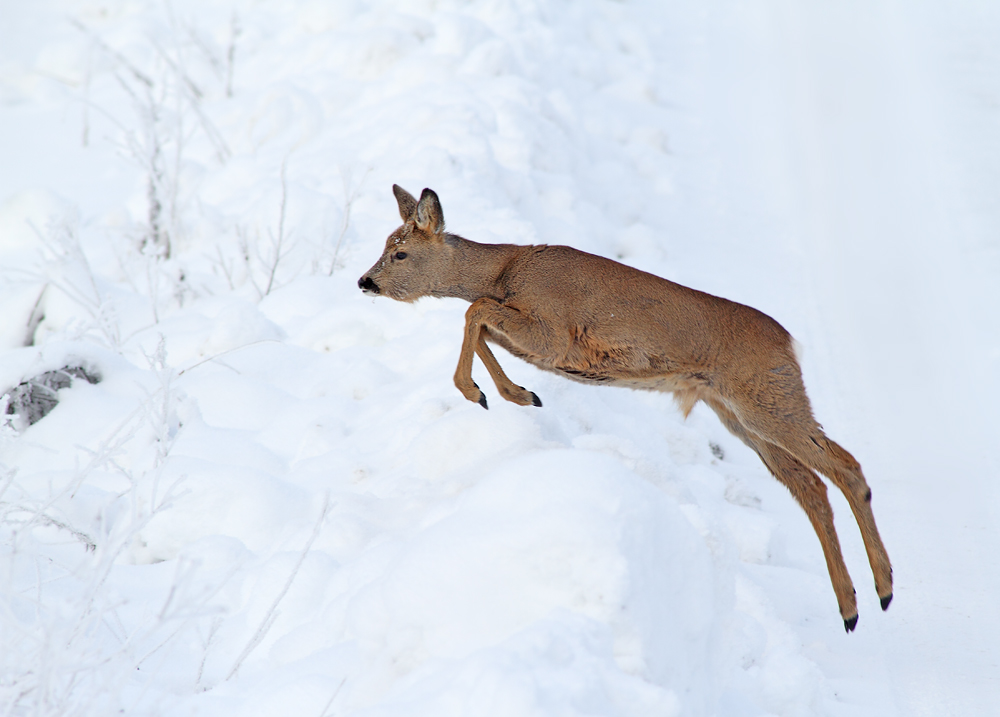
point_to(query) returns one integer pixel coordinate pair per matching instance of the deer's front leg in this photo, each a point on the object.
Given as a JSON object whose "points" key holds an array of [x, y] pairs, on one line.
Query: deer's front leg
{"points": [[487, 312]]}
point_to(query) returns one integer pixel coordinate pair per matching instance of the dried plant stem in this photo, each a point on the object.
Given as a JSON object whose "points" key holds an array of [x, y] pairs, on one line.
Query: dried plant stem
{"points": [[234, 32], [271, 615], [333, 697], [277, 242], [350, 196]]}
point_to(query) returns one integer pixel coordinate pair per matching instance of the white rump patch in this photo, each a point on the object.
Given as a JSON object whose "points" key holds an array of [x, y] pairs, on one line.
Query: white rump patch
{"points": [[799, 350]]}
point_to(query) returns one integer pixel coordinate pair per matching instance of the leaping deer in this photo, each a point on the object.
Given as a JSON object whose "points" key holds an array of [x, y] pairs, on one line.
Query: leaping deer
{"points": [[594, 320]]}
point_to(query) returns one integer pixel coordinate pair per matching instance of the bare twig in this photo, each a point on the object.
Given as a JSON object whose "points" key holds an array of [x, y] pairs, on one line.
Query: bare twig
{"points": [[227, 351], [35, 318], [271, 615], [206, 51], [65, 246], [85, 132], [148, 153], [350, 195], [276, 243], [135, 71], [8, 479], [225, 266], [45, 519], [234, 32], [333, 697], [212, 630], [195, 95], [188, 615], [243, 244]]}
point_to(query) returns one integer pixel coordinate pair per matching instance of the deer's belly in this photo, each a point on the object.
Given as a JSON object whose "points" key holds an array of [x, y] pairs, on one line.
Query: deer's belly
{"points": [[590, 361]]}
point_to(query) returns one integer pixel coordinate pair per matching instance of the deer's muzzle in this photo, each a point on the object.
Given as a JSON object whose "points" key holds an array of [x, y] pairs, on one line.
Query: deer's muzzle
{"points": [[368, 286]]}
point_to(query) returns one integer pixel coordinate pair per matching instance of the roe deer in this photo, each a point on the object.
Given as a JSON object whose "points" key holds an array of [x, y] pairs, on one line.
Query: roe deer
{"points": [[594, 320]]}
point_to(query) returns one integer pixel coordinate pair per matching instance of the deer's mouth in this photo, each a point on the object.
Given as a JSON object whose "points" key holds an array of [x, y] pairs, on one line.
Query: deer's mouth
{"points": [[368, 286]]}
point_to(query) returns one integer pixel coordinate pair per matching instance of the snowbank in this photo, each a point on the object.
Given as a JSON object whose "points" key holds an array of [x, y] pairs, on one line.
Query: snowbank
{"points": [[276, 502]]}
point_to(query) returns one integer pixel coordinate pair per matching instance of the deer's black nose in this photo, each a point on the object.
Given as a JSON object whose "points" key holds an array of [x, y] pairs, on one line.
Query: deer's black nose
{"points": [[366, 284]]}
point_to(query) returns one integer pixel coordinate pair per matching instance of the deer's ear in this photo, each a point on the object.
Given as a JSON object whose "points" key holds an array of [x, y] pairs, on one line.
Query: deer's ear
{"points": [[429, 216], [407, 204]]}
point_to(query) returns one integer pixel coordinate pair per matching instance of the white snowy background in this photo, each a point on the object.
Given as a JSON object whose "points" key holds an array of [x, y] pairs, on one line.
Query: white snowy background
{"points": [[275, 502]]}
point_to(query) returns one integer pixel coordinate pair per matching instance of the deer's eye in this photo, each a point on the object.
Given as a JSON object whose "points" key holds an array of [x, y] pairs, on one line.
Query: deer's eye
{"points": [[400, 255]]}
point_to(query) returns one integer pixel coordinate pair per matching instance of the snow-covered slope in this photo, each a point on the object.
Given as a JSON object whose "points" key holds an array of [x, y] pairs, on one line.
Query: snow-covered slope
{"points": [[276, 502]]}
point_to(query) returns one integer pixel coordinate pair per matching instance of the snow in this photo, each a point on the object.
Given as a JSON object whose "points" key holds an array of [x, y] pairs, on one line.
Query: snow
{"points": [[275, 501]]}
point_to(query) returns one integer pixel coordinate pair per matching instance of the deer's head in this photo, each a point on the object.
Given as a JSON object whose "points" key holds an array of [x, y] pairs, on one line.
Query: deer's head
{"points": [[415, 259]]}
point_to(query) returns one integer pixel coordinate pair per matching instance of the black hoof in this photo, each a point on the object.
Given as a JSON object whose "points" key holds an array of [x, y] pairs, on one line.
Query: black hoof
{"points": [[850, 624], [885, 601], [535, 400], [482, 400]]}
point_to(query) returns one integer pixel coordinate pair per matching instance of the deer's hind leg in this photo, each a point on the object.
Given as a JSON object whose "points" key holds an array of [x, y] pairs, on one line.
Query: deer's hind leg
{"points": [[488, 312], [811, 494], [829, 458], [788, 422]]}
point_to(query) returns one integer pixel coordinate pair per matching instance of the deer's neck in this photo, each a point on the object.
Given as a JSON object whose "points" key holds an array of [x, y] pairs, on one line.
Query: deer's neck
{"points": [[475, 270]]}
